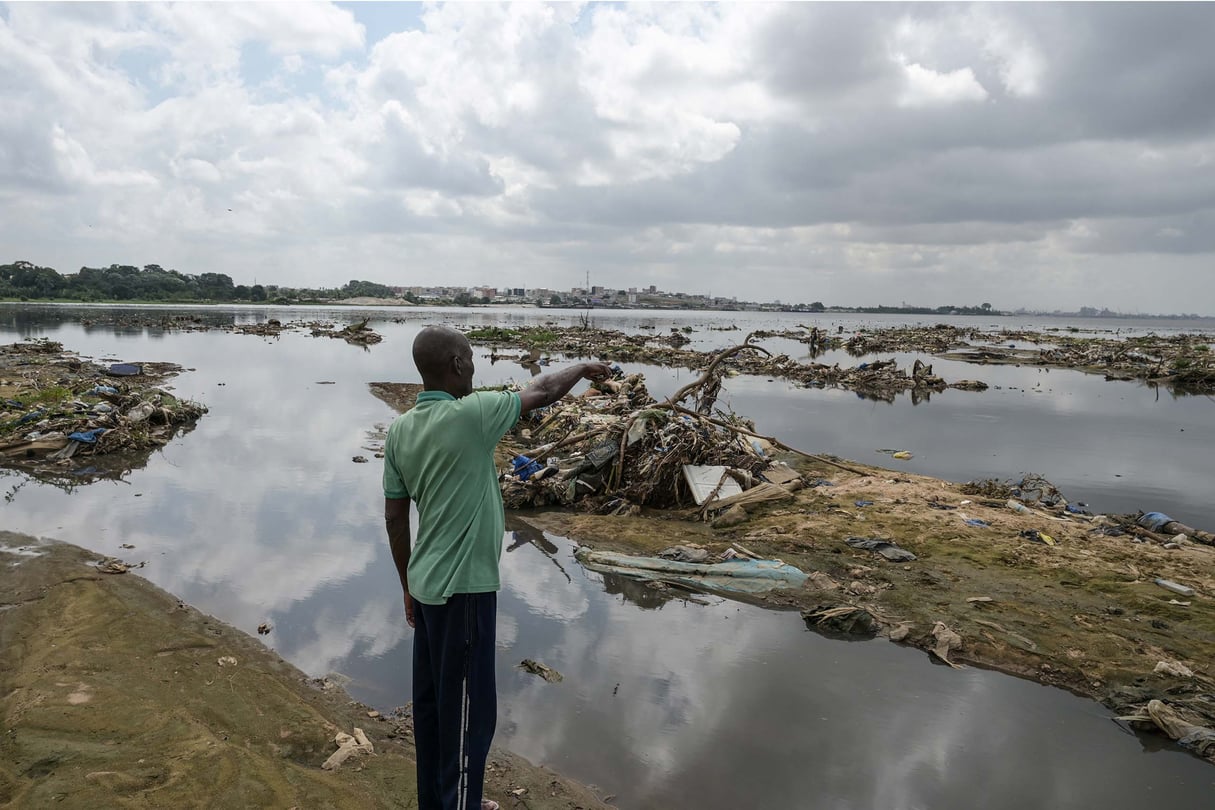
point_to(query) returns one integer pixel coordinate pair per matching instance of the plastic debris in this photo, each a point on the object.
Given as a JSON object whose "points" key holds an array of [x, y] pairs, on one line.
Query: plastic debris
{"points": [[947, 642], [348, 746], [1175, 587], [525, 467], [1173, 668], [1035, 536], [543, 670], [87, 436], [1199, 739], [710, 482]]}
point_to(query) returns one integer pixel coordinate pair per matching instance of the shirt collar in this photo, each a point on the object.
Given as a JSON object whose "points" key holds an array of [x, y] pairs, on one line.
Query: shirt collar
{"points": [[434, 396]]}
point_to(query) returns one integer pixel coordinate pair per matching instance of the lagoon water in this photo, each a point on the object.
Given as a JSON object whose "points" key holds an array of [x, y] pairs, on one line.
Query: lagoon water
{"points": [[259, 515]]}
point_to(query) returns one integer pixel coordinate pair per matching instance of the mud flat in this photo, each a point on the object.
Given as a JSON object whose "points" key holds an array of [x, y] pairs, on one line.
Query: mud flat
{"points": [[115, 694]]}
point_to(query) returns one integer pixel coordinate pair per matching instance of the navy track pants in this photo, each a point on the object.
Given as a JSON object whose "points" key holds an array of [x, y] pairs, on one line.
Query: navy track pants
{"points": [[455, 698]]}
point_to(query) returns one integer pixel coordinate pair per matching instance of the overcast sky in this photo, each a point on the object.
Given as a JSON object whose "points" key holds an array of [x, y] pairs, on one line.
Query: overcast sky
{"points": [[1037, 155]]}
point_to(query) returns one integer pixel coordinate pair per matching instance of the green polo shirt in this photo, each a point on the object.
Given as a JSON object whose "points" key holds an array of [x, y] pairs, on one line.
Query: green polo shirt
{"points": [[441, 454]]}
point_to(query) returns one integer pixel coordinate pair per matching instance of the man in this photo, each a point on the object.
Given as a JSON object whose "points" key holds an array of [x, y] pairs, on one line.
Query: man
{"points": [[440, 455]]}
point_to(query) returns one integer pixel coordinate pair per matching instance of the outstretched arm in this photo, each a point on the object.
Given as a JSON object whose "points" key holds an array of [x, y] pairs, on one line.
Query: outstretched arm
{"points": [[396, 521], [548, 388]]}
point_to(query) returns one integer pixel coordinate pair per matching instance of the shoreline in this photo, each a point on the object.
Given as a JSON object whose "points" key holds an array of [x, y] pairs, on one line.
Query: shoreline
{"points": [[115, 693], [382, 303]]}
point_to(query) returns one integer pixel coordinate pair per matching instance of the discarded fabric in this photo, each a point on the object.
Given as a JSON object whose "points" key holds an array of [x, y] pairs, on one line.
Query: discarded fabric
{"points": [[87, 436], [864, 503], [1154, 521], [979, 522], [30, 417], [1197, 738], [1035, 536], [124, 370], [843, 620], [688, 554], [889, 550], [732, 576]]}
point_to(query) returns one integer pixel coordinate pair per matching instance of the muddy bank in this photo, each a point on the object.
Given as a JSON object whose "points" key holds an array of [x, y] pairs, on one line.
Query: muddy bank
{"points": [[115, 694]]}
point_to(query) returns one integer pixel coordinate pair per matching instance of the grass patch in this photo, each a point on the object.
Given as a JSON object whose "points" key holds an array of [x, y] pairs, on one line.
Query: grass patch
{"points": [[492, 333], [46, 396], [540, 337]]}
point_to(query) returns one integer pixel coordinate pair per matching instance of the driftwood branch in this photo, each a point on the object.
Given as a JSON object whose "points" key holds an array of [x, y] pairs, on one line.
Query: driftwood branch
{"points": [[725, 354], [672, 404]]}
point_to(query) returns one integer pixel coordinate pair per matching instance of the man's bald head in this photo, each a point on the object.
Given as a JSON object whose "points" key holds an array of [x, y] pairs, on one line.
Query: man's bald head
{"points": [[444, 359]]}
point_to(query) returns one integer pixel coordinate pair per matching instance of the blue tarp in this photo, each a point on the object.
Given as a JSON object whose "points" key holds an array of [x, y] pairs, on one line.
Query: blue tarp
{"points": [[87, 436], [732, 576], [125, 370], [1154, 521]]}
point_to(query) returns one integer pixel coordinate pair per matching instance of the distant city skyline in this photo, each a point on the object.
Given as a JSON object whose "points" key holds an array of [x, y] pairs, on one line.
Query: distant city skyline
{"points": [[1038, 155]]}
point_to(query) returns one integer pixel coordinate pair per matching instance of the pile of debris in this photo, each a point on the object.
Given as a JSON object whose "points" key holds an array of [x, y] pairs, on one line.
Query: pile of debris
{"points": [[616, 449], [1183, 363], [878, 379], [931, 340], [1034, 495], [56, 408], [356, 334]]}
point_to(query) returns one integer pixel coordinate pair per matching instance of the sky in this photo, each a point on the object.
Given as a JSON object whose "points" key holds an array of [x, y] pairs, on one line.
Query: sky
{"points": [[1046, 156]]}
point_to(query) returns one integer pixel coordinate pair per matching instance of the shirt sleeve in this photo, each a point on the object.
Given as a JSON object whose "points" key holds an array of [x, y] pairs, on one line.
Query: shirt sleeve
{"points": [[394, 485], [499, 413]]}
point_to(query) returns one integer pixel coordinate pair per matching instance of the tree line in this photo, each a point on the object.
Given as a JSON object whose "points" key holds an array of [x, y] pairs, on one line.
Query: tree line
{"points": [[26, 281]]}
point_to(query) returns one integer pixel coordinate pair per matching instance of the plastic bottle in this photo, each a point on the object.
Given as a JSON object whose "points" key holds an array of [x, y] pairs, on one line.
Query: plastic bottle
{"points": [[1018, 507]]}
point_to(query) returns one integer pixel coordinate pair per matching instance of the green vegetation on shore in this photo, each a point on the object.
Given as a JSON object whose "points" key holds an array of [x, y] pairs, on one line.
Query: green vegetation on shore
{"points": [[119, 282]]}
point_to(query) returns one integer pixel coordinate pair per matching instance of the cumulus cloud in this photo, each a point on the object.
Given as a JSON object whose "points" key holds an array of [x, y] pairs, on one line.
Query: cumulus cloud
{"points": [[765, 151]]}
